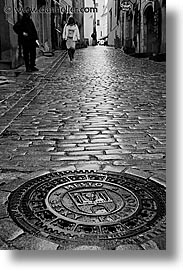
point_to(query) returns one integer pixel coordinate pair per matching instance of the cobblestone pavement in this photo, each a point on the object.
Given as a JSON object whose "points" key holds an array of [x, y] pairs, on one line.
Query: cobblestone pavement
{"points": [[106, 111]]}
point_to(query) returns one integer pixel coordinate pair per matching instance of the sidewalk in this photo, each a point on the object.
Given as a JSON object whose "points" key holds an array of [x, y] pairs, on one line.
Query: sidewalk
{"points": [[15, 89]]}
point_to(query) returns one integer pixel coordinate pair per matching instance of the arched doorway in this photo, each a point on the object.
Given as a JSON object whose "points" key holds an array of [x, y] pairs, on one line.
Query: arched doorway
{"points": [[136, 41], [128, 33], [149, 30], [129, 29]]}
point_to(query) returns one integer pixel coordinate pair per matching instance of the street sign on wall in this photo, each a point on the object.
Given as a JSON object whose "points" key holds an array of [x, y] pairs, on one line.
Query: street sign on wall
{"points": [[125, 5]]}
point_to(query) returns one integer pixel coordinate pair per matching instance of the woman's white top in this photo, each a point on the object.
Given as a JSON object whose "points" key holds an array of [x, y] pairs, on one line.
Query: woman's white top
{"points": [[71, 32]]}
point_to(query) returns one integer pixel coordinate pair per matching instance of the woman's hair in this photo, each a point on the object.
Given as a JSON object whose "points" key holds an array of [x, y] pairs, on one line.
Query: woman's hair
{"points": [[71, 21]]}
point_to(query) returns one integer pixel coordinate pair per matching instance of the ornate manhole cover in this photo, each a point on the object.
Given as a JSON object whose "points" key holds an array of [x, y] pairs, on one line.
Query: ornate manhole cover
{"points": [[90, 207]]}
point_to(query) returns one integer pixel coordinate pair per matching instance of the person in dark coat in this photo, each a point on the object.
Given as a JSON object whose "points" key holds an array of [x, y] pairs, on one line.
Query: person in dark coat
{"points": [[27, 33]]}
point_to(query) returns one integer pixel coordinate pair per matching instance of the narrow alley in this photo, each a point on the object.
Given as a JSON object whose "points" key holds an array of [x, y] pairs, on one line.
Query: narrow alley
{"points": [[106, 112]]}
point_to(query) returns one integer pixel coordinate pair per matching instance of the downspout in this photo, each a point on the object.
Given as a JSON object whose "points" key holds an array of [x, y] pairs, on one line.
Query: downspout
{"points": [[140, 26]]}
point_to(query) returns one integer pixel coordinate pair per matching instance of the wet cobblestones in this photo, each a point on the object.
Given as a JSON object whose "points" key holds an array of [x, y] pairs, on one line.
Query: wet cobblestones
{"points": [[105, 112]]}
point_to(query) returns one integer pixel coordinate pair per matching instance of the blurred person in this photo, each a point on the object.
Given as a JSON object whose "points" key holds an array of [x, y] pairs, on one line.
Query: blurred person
{"points": [[28, 38], [71, 35]]}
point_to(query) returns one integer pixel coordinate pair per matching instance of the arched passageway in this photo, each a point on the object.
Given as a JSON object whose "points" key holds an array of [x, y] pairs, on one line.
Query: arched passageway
{"points": [[149, 30]]}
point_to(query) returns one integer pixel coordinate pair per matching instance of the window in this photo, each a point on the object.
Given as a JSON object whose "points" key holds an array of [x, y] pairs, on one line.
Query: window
{"points": [[115, 3], [98, 22], [110, 20], [101, 33], [41, 3]]}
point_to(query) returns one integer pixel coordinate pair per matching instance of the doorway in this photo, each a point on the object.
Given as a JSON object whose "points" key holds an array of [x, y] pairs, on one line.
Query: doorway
{"points": [[149, 30]]}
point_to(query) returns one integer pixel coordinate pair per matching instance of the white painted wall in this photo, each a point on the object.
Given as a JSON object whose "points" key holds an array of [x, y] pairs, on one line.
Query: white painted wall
{"points": [[88, 21], [102, 17]]}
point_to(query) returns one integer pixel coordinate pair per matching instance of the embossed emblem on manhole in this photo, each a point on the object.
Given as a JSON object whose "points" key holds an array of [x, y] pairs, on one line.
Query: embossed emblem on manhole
{"points": [[90, 207]]}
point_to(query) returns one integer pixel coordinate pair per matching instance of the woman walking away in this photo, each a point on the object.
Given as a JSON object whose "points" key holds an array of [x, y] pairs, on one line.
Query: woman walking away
{"points": [[71, 35]]}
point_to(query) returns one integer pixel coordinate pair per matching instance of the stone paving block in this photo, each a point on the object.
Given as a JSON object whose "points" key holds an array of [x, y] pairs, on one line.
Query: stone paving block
{"points": [[109, 132], [150, 245], [85, 153], [68, 131], [68, 145], [103, 140], [9, 176], [160, 241], [44, 142], [148, 156], [90, 133], [75, 137], [89, 166], [10, 185], [66, 168], [30, 242], [122, 163], [32, 158], [70, 158], [136, 136], [94, 128], [157, 151], [128, 247], [48, 129], [102, 136], [163, 142], [117, 169], [89, 145], [24, 143], [160, 178], [117, 151], [3, 204], [138, 173], [121, 142], [9, 230], [3, 245], [32, 138], [74, 141], [74, 149], [99, 147], [14, 184], [58, 153], [85, 247], [3, 211], [110, 157]]}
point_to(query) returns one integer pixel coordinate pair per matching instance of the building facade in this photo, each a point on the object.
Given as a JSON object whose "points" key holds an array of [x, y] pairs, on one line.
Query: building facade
{"points": [[88, 23], [95, 20], [114, 24], [153, 26], [137, 26], [101, 24], [78, 5], [61, 10], [49, 17], [10, 52]]}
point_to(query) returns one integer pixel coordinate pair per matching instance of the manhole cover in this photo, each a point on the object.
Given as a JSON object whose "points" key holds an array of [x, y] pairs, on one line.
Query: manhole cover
{"points": [[90, 207]]}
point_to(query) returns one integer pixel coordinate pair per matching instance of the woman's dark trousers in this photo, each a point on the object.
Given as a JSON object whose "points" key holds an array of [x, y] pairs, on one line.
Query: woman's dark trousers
{"points": [[71, 52]]}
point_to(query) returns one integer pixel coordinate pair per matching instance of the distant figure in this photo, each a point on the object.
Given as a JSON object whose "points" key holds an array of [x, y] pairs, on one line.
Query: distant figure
{"points": [[71, 35], [27, 33]]}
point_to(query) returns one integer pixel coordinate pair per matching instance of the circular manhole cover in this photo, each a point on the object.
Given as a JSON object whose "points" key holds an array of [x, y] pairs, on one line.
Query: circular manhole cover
{"points": [[90, 207]]}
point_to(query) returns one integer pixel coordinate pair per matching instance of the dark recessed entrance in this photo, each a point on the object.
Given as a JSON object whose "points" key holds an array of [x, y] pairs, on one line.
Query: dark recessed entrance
{"points": [[88, 207]]}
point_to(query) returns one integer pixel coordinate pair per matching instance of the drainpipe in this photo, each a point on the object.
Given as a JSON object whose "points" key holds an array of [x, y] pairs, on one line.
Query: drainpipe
{"points": [[94, 24], [140, 26], [124, 29]]}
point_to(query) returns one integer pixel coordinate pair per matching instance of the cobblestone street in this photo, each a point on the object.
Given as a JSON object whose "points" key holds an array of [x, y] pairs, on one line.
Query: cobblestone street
{"points": [[104, 112]]}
